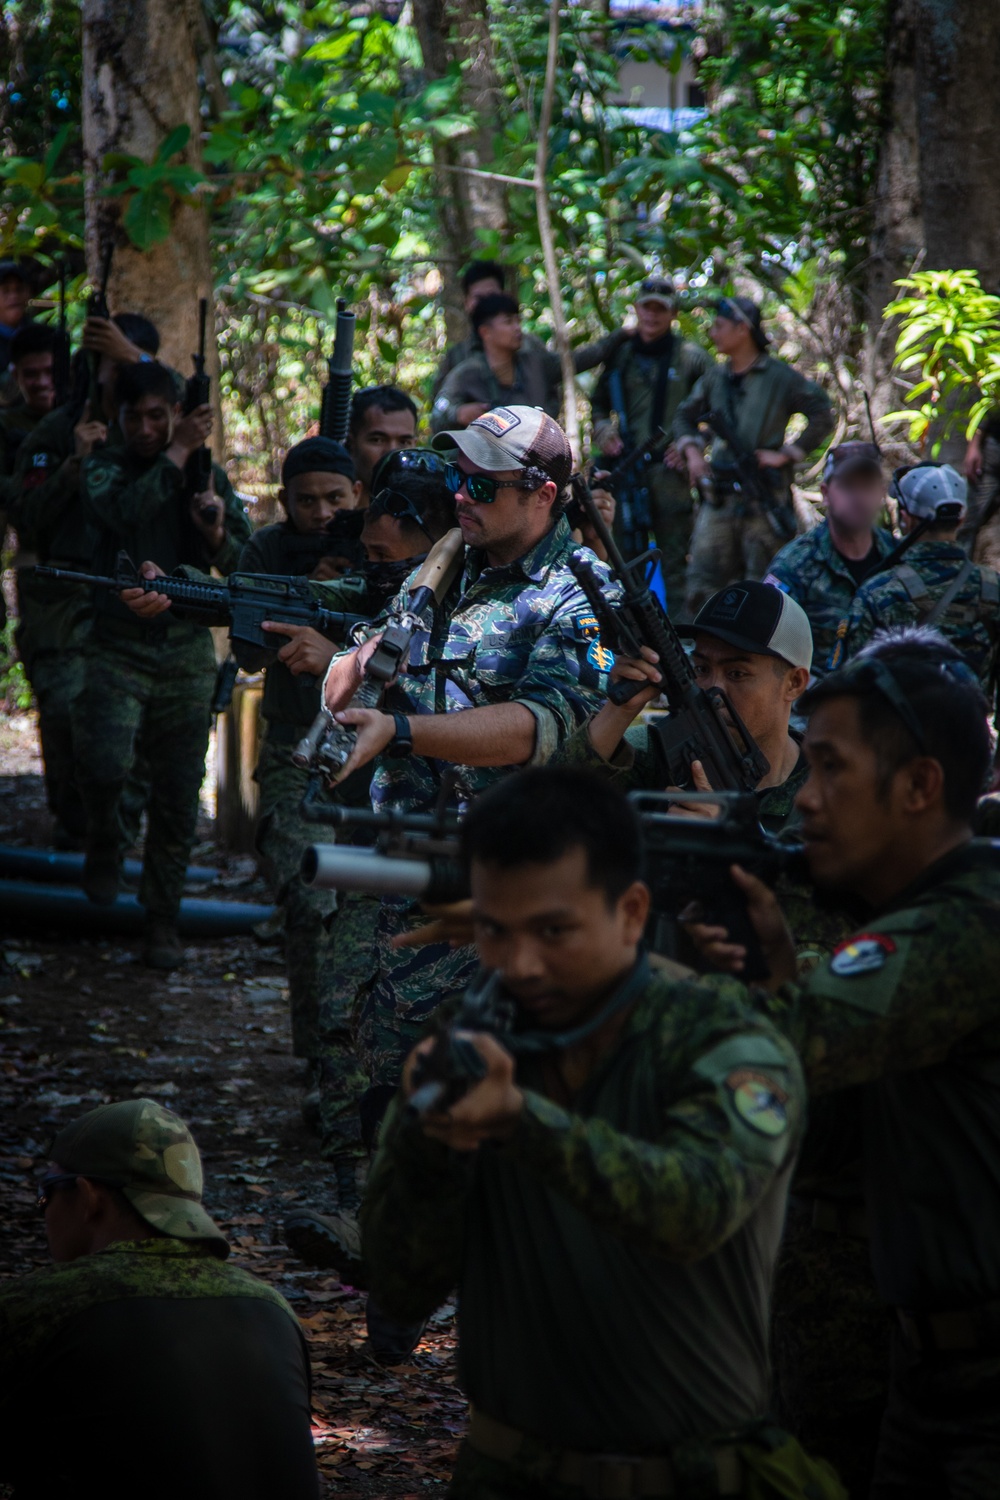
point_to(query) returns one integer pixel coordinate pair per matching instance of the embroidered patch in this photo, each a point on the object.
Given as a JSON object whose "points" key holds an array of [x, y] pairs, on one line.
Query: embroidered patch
{"points": [[863, 954], [498, 421], [730, 604], [758, 1100], [600, 657], [587, 626]]}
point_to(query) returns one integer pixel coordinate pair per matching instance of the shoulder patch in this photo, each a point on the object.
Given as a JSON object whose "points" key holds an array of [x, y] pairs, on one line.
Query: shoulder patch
{"points": [[587, 626], [758, 1101], [599, 657], [862, 954]]}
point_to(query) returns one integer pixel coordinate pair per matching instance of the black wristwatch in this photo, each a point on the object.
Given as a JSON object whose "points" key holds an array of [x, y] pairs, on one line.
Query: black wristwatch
{"points": [[401, 744]]}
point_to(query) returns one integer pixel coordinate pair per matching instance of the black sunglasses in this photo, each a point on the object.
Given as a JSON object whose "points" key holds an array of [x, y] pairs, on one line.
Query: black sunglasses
{"points": [[394, 503], [483, 487]]}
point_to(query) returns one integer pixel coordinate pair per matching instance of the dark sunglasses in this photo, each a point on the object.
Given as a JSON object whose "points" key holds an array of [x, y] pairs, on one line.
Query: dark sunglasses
{"points": [[416, 460], [483, 487], [394, 503], [48, 1185]]}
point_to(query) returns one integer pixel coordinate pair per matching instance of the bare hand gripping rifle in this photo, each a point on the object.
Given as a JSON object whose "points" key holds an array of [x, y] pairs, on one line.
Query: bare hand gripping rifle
{"points": [[335, 409], [702, 723], [328, 745]]}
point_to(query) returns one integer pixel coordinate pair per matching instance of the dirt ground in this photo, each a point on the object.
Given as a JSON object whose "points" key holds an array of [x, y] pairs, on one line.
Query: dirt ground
{"points": [[82, 1022]]}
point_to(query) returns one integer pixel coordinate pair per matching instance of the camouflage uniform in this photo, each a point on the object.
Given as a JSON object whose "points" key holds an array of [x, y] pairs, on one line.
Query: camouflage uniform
{"points": [[522, 633], [16, 422], [813, 573], [603, 1256], [290, 704], [148, 687], [628, 387], [910, 593], [907, 1009], [537, 377], [729, 540]]}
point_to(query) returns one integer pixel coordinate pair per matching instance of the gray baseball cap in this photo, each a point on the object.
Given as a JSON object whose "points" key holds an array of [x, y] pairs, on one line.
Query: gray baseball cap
{"points": [[930, 491], [514, 437]]}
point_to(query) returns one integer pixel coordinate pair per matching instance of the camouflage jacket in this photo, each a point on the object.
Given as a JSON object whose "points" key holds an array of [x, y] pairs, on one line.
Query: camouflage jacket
{"points": [[46, 506], [521, 633], [908, 594], [813, 573], [759, 404], [537, 379], [601, 1252], [908, 1005]]}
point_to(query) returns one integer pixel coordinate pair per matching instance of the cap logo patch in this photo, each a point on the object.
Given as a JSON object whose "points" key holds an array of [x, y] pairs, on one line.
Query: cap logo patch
{"points": [[729, 604], [759, 1101], [863, 954], [498, 421]]}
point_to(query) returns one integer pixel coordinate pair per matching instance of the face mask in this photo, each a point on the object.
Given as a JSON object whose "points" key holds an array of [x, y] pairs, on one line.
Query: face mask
{"points": [[385, 579]]}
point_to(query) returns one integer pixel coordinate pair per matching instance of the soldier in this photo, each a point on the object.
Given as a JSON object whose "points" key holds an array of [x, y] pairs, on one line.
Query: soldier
{"points": [[757, 395], [508, 668], [382, 418], [55, 620], [32, 367], [15, 294], [481, 278], [200, 1367], [635, 399], [148, 683], [507, 368], [608, 1199], [935, 584], [824, 567], [982, 469], [899, 748]]}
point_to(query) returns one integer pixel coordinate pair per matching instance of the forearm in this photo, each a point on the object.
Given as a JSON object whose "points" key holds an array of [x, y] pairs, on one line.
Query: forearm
{"points": [[502, 734], [820, 423], [413, 1219]]}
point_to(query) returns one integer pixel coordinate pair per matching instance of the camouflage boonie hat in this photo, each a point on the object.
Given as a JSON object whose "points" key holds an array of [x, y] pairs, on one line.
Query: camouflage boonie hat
{"points": [[149, 1153]]}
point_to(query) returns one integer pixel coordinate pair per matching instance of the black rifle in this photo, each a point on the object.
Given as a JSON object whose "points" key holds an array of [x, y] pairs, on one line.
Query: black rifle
{"points": [[60, 363], [198, 469], [97, 307], [243, 603], [752, 481], [702, 723], [624, 479], [328, 745], [335, 409], [448, 1070], [341, 537]]}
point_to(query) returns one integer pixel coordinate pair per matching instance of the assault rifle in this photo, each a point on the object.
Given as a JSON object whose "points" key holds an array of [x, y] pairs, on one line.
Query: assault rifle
{"points": [[335, 408], [243, 603], [752, 480], [341, 537], [328, 745], [414, 854], [61, 373], [625, 481], [97, 307], [198, 469], [702, 723]]}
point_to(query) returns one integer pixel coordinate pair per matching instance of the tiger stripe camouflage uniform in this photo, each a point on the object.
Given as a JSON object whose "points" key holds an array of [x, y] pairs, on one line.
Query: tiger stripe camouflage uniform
{"points": [[811, 570], [830, 1343], [909, 593], [601, 1255], [521, 633], [148, 686]]}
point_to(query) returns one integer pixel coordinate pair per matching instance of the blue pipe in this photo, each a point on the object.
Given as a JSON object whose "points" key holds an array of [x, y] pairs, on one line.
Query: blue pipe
{"points": [[59, 905], [50, 864]]}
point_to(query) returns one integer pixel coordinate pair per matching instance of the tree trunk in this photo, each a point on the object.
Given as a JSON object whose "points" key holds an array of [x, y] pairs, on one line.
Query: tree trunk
{"points": [[938, 193], [449, 33], [140, 81]]}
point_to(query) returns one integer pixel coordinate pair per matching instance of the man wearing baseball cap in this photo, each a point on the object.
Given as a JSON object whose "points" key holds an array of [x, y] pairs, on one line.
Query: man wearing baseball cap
{"points": [[636, 397], [936, 584], [15, 294], [753, 642], [823, 568], [509, 668], [757, 396], [139, 1362]]}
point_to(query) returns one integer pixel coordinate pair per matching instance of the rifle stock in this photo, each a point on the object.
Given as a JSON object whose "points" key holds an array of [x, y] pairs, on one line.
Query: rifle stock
{"points": [[198, 469]]}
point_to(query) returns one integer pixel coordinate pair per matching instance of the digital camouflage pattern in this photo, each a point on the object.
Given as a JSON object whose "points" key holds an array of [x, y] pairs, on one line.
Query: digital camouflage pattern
{"points": [[669, 491], [33, 1309], [344, 1075], [907, 594], [812, 572], [669, 1172]]}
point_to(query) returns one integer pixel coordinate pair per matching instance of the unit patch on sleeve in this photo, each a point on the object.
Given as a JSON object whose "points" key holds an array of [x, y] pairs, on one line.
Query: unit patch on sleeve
{"points": [[759, 1101], [863, 954]]}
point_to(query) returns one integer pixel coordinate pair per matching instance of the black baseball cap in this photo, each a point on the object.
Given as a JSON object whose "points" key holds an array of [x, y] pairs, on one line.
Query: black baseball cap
{"points": [[758, 618], [743, 310], [10, 268], [658, 289], [850, 458]]}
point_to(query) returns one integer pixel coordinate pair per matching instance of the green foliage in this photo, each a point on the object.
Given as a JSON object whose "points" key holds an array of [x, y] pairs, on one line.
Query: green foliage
{"points": [[15, 689], [949, 333], [151, 189]]}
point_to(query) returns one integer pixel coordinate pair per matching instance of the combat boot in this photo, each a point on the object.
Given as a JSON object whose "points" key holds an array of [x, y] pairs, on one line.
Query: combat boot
{"points": [[390, 1342], [162, 949], [102, 873], [332, 1241]]}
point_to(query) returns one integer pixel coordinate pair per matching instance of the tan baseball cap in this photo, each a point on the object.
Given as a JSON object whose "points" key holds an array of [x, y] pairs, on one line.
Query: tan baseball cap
{"points": [[514, 437], [149, 1153]]}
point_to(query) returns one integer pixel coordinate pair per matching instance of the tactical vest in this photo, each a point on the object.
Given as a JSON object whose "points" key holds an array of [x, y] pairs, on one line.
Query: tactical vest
{"points": [[981, 609]]}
